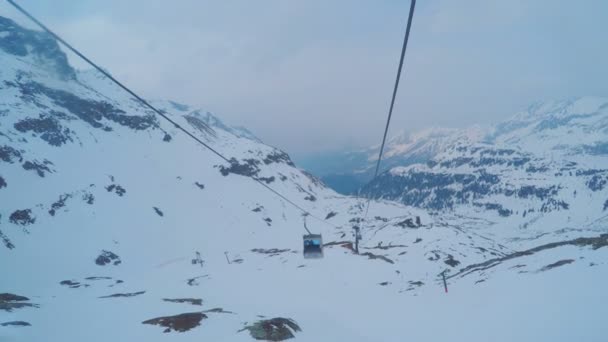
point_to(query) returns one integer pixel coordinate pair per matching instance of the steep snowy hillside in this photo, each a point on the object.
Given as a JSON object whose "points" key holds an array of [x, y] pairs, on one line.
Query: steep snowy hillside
{"points": [[115, 226]]}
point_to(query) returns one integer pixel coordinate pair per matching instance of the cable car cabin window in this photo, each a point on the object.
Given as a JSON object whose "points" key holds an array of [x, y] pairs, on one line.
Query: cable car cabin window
{"points": [[313, 246]]}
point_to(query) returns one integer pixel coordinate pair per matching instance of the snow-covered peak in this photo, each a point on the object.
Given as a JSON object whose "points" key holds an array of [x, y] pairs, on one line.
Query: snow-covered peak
{"points": [[205, 117], [568, 127], [37, 47], [425, 144]]}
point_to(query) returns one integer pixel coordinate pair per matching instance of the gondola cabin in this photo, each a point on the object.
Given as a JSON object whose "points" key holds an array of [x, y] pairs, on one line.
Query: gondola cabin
{"points": [[313, 246]]}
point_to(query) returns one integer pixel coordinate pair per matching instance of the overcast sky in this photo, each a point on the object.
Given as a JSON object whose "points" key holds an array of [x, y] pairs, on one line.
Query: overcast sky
{"points": [[317, 75]]}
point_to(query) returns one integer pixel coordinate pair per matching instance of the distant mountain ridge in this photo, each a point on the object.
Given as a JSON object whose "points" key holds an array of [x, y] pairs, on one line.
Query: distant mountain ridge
{"points": [[551, 129]]}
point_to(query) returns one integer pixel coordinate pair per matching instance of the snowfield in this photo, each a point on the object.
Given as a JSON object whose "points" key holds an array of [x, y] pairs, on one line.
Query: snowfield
{"points": [[115, 226]]}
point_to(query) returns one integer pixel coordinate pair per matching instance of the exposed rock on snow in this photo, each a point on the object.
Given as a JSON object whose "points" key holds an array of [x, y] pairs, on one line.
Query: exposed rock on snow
{"points": [[73, 284], [15, 324], [376, 256], [119, 190], [10, 302], [556, 264], [124, 295], [40, 168], [60, 203], [330, 215], [191, 301], [158, 211], [107, 257], [275, 329], [179, 323], [6, 241], [22, 217], [271, 251]]}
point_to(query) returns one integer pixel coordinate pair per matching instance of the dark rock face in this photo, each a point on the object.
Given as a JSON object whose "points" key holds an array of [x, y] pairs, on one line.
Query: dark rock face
{"points": [[119, 190], [470, 175], [191, 301], [497, 207], [330, 215], [60, 203], [2, 183], [432, 190], [9, 297], [553, 204], [180, 323], [451, 261], [15, 324], [200, 185], [40, 168], [22, 42], [90, 111], [158, 212], [124, 295], [271, 251], [376, 256], [444, 190], [275, 329], [598, 182], [248, 168], [251, 167], [407, 223], [278, 157], [9, 154], [107, 257], [10, 302], [6, 241], [606, 205], [72, 284], [88, 198], [267, 180], [48, 127], [557, 264], [22, 217]]}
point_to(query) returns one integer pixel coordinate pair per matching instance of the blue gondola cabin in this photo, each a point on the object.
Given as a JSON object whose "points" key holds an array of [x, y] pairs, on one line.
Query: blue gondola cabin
{"points": [[313, 246]]}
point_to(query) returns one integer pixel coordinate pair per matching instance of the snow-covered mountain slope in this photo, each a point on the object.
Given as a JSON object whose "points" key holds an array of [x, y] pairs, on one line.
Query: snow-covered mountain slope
{"points": [[548, 162], [570, 128], [114, 226]]}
